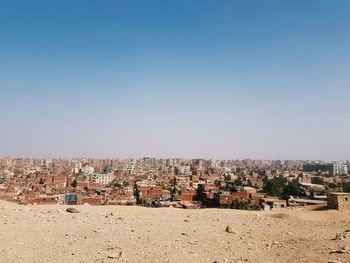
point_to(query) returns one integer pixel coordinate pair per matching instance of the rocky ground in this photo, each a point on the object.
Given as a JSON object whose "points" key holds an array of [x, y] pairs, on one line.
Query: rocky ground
{"points": [[137, 234]]}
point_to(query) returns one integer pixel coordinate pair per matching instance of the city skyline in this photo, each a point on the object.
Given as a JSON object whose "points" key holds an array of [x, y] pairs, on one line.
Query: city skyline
{"points": [[221, 80], [167, 158]]}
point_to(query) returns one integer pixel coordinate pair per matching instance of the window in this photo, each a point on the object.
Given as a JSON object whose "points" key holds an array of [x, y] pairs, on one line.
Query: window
{"points": [[346, 199]]}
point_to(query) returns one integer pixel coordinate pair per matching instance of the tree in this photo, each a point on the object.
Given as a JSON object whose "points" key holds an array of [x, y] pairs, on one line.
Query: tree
{"points": [[219, 183], [332, 185], [292, 188], [238, 181], [275, 186], [74, 183], [249, 183], [346, 188]]}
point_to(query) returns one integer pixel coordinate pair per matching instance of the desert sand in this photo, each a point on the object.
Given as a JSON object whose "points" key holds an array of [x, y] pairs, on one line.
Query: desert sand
{"points": [[136, 234]]}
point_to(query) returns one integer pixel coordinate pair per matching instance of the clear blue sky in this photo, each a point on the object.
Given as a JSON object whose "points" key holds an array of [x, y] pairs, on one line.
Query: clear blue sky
{"points": [[212, 79]]}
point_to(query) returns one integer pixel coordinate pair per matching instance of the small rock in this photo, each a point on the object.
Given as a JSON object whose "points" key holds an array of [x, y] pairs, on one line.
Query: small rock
{"points": [[108, 215], [72, 210], [230, 230], [115, 255], [343, 236], [339, 251], [346, 248]]}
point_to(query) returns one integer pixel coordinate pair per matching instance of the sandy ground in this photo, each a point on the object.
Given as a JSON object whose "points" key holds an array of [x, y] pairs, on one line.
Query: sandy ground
{"points": [[137, 234]]}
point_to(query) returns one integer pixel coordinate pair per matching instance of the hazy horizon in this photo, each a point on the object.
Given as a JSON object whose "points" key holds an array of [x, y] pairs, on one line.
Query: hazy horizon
{"points": [[213, 79], [164, 158]]}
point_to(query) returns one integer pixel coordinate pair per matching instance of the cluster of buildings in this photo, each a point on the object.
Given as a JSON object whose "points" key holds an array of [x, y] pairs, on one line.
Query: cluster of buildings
{"points": [[185, 183], [333, 169]]}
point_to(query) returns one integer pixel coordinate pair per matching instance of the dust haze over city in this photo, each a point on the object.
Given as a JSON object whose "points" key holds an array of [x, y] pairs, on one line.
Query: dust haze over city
{"points": [[175, 131]]}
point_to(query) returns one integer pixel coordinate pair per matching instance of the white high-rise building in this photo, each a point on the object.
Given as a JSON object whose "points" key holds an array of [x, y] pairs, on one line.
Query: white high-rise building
{"points": [[102, 178], [340, 169]]}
